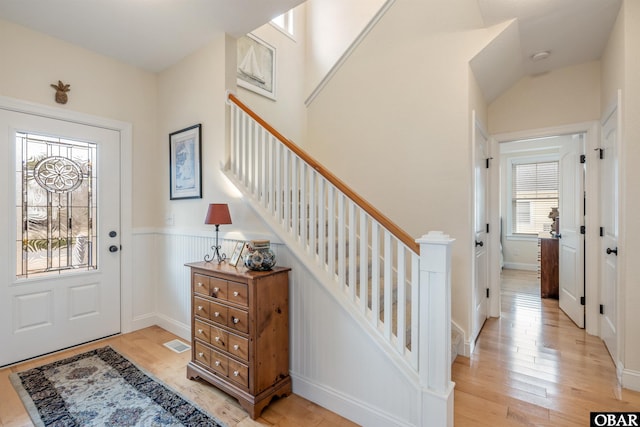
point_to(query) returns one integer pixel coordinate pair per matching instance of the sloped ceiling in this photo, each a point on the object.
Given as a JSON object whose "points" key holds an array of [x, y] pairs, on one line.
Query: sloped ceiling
{"points": [[572, 31], [149, 34]]}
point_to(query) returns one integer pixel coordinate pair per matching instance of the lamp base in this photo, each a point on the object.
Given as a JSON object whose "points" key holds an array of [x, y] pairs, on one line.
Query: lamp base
{"points": [[217, 256], [216, 251]]}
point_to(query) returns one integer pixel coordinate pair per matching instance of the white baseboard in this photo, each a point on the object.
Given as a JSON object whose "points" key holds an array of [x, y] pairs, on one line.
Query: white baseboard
{"points": [[631, 379], [143, 321], [175, 327], [346, 406], [521, 266]]}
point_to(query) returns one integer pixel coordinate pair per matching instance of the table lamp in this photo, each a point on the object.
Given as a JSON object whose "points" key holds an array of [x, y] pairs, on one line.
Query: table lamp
{"points": [[217, 214]]}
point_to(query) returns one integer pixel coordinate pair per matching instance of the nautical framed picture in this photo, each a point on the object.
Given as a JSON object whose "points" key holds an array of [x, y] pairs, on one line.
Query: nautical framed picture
{"points": [[185, 172], [257, 66]]}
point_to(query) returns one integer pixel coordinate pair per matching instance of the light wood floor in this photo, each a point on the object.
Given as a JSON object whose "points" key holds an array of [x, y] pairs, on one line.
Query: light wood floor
{"points": [[533, 367], [144, 347]]}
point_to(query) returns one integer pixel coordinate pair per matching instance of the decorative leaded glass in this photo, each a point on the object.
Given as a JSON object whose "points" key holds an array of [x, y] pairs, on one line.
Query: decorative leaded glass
{"points": [[56, 205], [58, 174]]}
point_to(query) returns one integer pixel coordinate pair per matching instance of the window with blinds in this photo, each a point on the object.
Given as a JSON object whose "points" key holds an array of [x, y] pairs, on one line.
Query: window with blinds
{"points": [[534, 193]]}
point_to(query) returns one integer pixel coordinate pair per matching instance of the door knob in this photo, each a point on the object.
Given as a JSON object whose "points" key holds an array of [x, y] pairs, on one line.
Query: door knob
{"points": [[480, 243], [612, 251], [113, 248], [112, 233]]}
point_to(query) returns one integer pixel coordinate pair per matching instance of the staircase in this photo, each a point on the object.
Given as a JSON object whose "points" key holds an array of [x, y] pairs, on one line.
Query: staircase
{"points": [[396, 288]]}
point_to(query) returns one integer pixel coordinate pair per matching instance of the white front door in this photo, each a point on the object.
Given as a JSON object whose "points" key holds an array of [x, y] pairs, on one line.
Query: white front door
{"points": [[481, 255], [60, 235], [571, 241], [609, 232]]}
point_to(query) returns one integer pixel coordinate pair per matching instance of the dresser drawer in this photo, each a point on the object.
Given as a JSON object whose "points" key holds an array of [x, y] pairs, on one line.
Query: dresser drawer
{"points": [[238, 373], [201, 307], [238, 293], [201, 284], [238, 346], [202, 331], [218, 288], [219, 363], [219, 313], [203, 354], [238, 320], [219, 338]]}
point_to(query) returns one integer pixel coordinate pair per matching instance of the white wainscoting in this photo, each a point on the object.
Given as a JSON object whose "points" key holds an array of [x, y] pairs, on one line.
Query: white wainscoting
{"points": [[334, 363]]}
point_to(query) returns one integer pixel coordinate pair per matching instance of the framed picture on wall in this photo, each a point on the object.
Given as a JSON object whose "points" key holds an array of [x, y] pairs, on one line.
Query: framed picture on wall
{"points": [[256, 66], [185, 167]]}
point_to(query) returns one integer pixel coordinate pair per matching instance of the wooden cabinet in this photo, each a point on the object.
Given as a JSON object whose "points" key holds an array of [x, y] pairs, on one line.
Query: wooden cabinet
{"points": [[240, 332], [548, 266]]}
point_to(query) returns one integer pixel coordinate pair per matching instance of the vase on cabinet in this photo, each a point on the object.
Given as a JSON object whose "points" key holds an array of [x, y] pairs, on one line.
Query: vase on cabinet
{"points": [[260, 256]]}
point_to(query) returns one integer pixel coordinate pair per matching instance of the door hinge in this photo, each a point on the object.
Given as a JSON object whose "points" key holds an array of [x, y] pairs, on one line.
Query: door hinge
{"points": [[601, 309], [487, 161], [601, 231], [583, 158], [582, 301], [487, 292], [583, 229], [600, 153], [487, 228]]}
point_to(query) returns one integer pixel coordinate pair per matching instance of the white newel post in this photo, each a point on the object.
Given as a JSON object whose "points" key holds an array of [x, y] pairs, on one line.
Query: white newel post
{"points": [[434, 360]]}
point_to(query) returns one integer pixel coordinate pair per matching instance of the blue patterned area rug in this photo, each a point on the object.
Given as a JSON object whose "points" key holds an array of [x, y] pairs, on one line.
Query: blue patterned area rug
{"points": [[101, 387]]}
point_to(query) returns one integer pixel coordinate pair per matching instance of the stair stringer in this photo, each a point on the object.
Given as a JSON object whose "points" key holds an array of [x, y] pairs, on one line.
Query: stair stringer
{"points": [[399, 375]]}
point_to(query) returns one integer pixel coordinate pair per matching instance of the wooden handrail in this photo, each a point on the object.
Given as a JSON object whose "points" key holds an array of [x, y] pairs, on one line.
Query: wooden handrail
{"points": [[398, 232]]}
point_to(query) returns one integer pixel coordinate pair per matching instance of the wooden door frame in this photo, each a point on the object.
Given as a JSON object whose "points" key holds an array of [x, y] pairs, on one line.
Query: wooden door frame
{"points": [[592, 220], [126, 179]]}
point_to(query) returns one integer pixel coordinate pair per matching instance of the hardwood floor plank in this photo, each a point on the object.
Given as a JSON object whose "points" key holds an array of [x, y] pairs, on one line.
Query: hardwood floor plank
{"points": [[534, 367], [145, 348]]}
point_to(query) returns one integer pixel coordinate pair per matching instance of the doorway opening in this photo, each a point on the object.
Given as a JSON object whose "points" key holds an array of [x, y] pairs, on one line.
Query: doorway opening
{"points": [[542, 212]]}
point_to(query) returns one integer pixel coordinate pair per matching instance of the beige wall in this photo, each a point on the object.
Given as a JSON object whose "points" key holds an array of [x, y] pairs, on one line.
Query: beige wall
{"points": [[100, 86], [332, 26], [395, 124], [192, 92], [566, 96], [287, 113]]}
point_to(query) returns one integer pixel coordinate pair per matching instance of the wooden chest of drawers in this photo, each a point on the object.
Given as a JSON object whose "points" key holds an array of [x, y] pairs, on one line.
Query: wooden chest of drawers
{"points": [[240, 332]]}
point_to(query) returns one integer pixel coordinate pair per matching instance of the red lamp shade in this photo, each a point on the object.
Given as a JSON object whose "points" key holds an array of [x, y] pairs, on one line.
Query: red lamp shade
{"points": [[217, 214]]}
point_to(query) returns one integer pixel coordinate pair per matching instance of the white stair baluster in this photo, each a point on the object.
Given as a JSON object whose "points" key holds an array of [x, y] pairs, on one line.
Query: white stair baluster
{"points": [[352, 242], [375, 273], [388, 285]]}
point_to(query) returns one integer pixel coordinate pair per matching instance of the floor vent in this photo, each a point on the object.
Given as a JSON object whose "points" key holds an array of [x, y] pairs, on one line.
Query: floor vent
{"points": [[177, 346]]}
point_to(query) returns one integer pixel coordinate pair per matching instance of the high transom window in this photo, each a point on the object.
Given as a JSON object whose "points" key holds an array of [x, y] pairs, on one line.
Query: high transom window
{"points": [[55, 205]]}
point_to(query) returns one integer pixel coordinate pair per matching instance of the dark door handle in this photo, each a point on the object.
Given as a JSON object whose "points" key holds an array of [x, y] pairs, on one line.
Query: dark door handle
{"points": [[480, 243], [612, 251], [113, 248], [559, 236]]}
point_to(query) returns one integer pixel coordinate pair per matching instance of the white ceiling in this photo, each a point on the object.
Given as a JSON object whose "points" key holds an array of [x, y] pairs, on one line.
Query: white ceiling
{"points": [[154, 34], [573, 31], [151, 34]]}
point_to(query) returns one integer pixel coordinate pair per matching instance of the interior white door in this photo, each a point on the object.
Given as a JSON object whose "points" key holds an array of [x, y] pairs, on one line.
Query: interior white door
{"points": [[481, 254], [609, 248], [60, 259], [571, 241]]}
